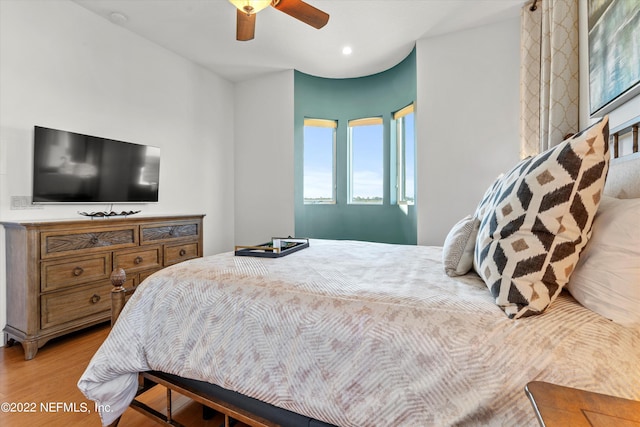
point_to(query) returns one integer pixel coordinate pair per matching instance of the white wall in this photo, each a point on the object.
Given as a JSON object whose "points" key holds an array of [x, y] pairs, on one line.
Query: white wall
{"points": [[64, 67], [467, 121], [263, 164], [467, 118]]}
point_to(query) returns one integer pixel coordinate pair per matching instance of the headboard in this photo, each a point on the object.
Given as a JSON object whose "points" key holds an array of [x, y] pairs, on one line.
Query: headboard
{"points": [[623, 179]]}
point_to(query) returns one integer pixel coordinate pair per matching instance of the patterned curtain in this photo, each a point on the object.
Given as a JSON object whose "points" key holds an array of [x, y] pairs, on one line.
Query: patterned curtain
{"points": [[549, 74]]}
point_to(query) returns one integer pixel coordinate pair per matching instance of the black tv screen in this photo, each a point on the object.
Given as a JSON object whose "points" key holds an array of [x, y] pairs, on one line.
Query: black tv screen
{"points": [[70, 167]]}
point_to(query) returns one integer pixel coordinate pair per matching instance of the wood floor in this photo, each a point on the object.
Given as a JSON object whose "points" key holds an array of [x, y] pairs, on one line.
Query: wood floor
{"points": [[46, 386]]}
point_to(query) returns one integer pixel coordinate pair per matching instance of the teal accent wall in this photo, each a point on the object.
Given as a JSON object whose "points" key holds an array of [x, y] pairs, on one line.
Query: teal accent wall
{"points": [[377, 95]]}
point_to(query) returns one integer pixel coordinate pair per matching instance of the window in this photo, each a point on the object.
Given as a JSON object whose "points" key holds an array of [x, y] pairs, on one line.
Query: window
{"points": [[319, 161], [366, 161], [406, 146]]}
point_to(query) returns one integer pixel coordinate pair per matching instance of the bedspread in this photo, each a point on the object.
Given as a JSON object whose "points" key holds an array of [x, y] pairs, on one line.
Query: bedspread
{"points": [[357, 334]]}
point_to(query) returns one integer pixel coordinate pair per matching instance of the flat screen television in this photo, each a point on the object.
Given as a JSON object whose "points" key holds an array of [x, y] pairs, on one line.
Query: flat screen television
{"points": [[70, 167]]}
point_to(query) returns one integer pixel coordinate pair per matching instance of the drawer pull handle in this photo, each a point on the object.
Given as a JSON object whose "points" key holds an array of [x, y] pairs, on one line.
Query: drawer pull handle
{"points": [[78, 271], [95, 298], [183, 252], [138, 260]]}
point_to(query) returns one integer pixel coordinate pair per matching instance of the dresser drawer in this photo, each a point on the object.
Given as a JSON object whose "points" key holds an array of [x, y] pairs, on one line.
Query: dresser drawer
{"points": [[76, 271], [167, 232], [69, 305], [138, 259], [178, 253], [58, 243]]}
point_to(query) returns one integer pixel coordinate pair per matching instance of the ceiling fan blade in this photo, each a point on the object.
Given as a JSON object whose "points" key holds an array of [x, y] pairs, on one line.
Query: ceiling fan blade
{"points": [[245, 26], [303, 12]]}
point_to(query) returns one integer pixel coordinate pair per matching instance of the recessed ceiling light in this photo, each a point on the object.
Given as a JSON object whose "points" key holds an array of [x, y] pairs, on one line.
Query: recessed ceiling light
{"points": [[347, 50], [118, 18]]}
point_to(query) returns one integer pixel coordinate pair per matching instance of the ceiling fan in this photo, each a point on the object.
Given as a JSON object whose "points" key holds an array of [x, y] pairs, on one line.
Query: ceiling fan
{"points": [[247, 9]]}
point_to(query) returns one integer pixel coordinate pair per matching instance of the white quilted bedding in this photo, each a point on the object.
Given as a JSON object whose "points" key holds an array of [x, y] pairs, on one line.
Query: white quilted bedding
{"points": [[357, 334]]}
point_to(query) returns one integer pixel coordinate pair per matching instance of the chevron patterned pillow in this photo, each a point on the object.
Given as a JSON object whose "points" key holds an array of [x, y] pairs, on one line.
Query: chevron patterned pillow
{"points": [[536, 219]]}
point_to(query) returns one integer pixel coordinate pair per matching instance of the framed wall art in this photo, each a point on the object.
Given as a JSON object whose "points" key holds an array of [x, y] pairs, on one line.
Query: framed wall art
{"points": [[614, 54]]}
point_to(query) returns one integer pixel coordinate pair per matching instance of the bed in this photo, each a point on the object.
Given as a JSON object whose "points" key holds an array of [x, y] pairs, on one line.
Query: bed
{"points": [[351, 333]]}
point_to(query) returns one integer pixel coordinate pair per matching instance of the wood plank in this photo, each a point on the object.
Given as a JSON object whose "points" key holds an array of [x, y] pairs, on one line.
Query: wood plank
{"points": [[560, 406]]}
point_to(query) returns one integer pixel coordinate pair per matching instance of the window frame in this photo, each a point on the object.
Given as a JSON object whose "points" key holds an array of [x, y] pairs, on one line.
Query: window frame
{"points": [[367, 121], [322, 123], [401, 163]]}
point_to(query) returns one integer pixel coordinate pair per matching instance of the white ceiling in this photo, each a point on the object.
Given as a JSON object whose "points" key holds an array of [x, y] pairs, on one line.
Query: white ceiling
{"points": [[380, 32]]}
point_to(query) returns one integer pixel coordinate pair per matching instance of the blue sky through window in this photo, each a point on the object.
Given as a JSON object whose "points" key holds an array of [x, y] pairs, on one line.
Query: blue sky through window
{"points": [[367, 162], [409, 153], [318, 163]]}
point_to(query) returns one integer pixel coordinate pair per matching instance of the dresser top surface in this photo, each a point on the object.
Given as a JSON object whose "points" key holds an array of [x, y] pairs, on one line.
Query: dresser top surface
{"points": [[100, 221]]}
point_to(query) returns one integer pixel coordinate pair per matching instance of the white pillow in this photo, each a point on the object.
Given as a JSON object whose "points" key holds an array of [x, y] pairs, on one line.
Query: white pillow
{"points": [[607, 277], [457, 252]]}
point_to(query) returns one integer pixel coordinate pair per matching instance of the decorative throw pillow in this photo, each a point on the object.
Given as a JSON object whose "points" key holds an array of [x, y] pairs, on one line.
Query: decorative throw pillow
{"points": [[607, 277], [485, 202], [457, 252], [536, 220]]}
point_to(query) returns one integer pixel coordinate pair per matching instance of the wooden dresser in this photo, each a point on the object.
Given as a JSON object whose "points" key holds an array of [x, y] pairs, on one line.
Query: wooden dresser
{"points": [[58, 271]]}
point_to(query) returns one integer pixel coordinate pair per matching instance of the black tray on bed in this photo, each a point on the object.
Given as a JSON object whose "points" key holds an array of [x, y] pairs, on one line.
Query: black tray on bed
{"points": [[276, 248]]}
